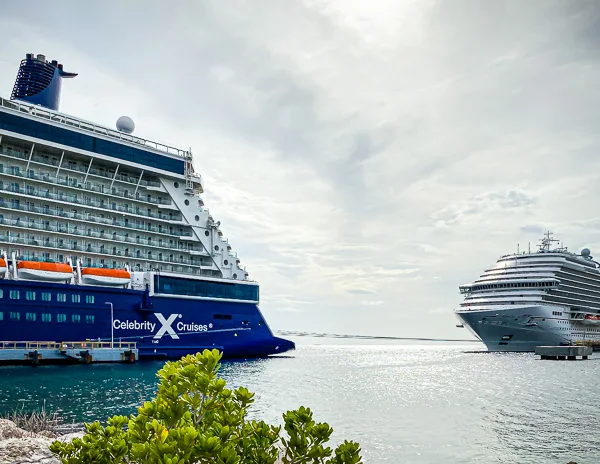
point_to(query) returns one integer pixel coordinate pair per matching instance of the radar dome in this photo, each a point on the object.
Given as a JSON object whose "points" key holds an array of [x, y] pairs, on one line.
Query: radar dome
{"points": [[125, 124], [585, 252]]}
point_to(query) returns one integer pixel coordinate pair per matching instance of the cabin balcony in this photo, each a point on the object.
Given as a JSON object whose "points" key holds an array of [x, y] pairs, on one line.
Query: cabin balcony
{"points": [[76, 182]]}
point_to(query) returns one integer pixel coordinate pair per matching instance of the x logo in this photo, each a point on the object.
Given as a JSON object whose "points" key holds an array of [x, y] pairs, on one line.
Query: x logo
{"points": [[166, 326]]}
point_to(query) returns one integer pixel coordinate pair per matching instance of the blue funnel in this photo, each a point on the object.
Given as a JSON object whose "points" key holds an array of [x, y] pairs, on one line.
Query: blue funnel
{"points": [[39, 81]]}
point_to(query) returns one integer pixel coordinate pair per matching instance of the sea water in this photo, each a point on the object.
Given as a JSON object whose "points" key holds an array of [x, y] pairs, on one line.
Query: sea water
{"points": [[403, 404]]}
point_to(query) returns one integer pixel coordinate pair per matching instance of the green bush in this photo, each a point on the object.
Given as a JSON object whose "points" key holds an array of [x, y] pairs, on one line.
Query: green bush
{"points": [[195, 419]]}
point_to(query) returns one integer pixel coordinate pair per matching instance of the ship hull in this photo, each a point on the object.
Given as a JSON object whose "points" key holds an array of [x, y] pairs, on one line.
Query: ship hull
{"points": [[163, 327], [514, 330]]}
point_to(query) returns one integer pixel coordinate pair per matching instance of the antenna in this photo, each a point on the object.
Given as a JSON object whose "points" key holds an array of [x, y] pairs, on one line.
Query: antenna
{"points": [[546, 242], [528, 247]]}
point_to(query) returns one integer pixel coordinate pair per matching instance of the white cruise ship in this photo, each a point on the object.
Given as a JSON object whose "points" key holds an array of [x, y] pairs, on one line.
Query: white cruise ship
{"points": [[104, 236], [547, 297]]}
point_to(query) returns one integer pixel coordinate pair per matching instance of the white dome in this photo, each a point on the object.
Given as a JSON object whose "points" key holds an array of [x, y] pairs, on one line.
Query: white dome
{"points": [[125, 124]]}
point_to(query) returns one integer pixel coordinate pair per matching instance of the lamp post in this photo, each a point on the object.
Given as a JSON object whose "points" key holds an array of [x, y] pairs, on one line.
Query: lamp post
{"points": [[112, 325]]}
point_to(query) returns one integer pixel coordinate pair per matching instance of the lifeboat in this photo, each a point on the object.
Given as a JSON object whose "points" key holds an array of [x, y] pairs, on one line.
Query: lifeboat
{"points": [[45, 272], [591, 319], [105, 277], [3, 267]]}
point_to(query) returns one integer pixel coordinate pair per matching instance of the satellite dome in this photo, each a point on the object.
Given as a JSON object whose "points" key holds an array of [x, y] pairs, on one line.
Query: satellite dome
{"points": [[125, 124], [585, 252]]}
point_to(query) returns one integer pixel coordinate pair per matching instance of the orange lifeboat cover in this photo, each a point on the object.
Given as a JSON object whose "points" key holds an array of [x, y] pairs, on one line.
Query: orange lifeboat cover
{"points": [[2, 262], [98, 271], [41, 266]]}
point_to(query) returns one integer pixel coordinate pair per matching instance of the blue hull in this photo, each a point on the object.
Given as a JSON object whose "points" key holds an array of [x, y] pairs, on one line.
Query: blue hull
{"points": [[162, 327]]}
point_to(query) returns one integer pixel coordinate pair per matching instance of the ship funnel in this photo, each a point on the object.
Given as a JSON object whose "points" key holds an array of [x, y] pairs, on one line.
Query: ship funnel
{"points": [[39, 81]]}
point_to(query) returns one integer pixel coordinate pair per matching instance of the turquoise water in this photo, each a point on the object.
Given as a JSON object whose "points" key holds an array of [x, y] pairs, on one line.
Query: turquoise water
{"points": [[414, 404]]}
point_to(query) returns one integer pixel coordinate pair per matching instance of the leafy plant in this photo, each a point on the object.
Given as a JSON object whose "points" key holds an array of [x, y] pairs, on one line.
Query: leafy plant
{"points": [[194, 418]]}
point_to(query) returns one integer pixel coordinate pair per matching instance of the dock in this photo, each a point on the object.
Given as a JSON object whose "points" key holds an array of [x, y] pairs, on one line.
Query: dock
{"points": [[570, 353], [85, 352]]}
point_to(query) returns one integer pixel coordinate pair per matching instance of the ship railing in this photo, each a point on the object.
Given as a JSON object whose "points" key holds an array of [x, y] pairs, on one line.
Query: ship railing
{"points": [[90, 218], [95, 345], [104, 250], [85, 126], [27, 345], [74, 182], [73, 198], [45, 160]]}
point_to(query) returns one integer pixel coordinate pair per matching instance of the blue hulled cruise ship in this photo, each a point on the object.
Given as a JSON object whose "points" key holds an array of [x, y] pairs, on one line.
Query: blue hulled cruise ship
{"points": [[104, 235]]}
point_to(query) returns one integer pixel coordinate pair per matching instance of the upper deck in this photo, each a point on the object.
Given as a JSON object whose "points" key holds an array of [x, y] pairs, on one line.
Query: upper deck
{"points": [[36, 121]]}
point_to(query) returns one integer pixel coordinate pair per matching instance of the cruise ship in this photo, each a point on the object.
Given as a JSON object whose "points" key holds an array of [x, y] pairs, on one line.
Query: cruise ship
{"points": [[547, 297], [104, 236]]}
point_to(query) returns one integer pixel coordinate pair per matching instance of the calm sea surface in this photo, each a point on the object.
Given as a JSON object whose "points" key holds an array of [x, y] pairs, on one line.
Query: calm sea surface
{"points": [[404, 404]]}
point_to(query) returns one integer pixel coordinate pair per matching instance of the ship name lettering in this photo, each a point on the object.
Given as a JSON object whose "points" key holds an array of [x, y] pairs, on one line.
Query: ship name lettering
{"points": [[134, 325], [191, 327]]}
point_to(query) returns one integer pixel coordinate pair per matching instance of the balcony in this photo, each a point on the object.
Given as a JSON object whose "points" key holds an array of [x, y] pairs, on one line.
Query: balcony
{"points": [[83, 232], [87, 218], [54, 244], [75, 182], [46, 160], [73, 198]]}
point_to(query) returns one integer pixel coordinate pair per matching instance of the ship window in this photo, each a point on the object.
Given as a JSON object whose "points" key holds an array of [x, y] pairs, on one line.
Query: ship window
{"points": [[76, 298], [187, 202], [30, 296], [201, 288], [46, 296], [225, 262], [197, 218], [61, 318], [46, 317], [176, 185], [89, 319], [76, 318], [15, 294], [206, 233], [216, 247], [89, 298], [1, 293], [1, 316], [30, 317], [15, 316]]}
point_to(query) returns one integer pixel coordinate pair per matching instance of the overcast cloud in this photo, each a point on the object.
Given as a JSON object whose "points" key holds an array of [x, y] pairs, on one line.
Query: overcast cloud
{"points": [[365, 158]]}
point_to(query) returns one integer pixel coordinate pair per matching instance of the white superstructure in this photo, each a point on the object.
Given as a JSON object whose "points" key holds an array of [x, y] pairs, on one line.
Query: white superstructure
{"points": [[61, 204], [548, 297]]}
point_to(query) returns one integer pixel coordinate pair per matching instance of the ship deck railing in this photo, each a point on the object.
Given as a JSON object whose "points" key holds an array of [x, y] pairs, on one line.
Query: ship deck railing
{"points": [[87, 344], [29, 345], [94, 345], [69, 121]]}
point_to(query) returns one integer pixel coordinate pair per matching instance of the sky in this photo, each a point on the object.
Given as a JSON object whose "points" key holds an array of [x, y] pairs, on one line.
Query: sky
{"points": [[364, 158]]}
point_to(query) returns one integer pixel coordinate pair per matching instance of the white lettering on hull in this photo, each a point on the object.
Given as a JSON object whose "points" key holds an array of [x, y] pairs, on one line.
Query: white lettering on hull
{"points": [[166, 326]]}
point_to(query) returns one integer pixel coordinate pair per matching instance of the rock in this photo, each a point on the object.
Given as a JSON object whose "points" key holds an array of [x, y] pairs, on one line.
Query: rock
{"points": [[26, 450], [8, 429], [18, 446]]}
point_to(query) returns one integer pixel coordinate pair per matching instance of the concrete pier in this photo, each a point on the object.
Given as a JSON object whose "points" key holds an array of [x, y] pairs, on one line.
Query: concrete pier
{"points": [[86, 352], [569, 353]]}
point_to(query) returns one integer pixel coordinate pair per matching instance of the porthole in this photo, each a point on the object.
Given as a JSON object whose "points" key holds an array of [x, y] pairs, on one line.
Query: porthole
{"points": [[235, 276], [225, 262], [176, 185], [197, 219], [207, 233], [187, 202], [216, 247]]}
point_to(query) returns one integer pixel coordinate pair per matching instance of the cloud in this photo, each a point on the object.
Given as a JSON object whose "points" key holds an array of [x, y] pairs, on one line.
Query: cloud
{"points": [[354, 152], [490, 203], [371, 303]]}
